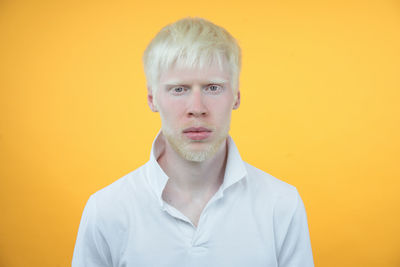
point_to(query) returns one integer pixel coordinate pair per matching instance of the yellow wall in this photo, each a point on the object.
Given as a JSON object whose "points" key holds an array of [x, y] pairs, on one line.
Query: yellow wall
{"points": [[320, 91]]}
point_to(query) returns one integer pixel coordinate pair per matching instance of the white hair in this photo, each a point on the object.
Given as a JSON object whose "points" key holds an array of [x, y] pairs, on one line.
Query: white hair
{"points": [[191, 42]]}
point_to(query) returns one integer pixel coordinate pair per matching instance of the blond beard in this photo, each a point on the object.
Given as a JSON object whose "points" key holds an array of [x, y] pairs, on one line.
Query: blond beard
{"points": [[182, 146]]}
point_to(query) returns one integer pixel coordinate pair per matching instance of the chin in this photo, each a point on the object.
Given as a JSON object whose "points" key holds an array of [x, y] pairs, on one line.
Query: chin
{"points": [[198, 155], [195, 154]]}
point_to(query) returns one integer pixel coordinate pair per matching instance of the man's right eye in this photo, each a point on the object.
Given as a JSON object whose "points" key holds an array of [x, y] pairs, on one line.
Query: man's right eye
{"points": [[177, 90]]}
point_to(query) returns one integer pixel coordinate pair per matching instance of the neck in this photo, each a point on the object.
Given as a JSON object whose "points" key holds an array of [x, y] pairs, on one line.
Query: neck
{"points": [[195, 179]]}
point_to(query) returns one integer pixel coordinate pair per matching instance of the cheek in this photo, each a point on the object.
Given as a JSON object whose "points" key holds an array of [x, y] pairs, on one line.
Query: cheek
{"points": [[223, 107], [223, 117], [171, 112]]}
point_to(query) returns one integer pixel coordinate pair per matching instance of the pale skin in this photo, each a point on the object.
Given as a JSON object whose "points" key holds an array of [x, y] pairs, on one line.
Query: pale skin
{"points": [[194, 98]]}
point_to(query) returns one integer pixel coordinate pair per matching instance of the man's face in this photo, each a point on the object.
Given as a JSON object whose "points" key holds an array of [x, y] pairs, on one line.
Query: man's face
{"points": [[195, 106]]}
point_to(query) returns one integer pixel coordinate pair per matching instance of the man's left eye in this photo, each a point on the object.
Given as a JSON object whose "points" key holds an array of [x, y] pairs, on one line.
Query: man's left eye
{"points": [[214, 88]]}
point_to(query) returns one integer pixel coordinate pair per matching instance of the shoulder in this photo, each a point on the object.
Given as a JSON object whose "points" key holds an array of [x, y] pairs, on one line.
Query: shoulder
{"points": [[281, 198], [122, 186], [113, 201], [107, 216], [268, 184], [269, 191]]}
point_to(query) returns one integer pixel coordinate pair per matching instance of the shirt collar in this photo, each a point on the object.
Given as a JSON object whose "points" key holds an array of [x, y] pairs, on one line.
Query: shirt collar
{"points": [[235, 169]]}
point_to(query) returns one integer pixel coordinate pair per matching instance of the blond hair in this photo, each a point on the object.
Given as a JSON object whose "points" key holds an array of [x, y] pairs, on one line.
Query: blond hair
{"points": [[191, 42]]}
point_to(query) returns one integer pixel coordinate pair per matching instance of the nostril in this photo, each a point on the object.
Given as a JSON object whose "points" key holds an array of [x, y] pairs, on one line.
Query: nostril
{"points": [[197, 113]]}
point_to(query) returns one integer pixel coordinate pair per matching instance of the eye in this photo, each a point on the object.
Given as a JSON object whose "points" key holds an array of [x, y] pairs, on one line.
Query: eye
{"points": [[214, 89], [178, 90]]}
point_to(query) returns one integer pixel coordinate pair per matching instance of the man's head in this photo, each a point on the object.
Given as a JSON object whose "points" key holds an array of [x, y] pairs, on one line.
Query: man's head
{"points": [[191, 42], [192, 68]]}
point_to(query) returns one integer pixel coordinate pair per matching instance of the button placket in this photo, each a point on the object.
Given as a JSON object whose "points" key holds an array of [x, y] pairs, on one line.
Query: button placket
{"points": [[202, 232], [181, 222]]}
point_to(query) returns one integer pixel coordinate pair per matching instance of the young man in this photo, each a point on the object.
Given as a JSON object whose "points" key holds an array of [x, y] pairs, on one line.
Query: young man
{"points": [[195, 203]]}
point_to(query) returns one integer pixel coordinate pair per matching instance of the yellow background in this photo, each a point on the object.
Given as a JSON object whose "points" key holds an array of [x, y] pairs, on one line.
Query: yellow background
{"points": [[320, 91]]}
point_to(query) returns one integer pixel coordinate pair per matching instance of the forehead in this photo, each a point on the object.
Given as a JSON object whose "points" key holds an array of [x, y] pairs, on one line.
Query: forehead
{"points": [[212, 73]]}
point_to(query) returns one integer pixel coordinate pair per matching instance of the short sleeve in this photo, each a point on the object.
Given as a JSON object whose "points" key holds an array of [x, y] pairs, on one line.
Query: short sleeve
{"points": [[296, 248], [91, 248]]}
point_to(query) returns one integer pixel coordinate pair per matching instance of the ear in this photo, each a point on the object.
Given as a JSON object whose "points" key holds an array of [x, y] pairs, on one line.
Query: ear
{"points": [[237, 102], [150, 100]]}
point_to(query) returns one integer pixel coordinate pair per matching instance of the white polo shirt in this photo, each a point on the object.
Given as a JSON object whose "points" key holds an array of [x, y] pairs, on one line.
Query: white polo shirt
{"points": [[253, 220]]}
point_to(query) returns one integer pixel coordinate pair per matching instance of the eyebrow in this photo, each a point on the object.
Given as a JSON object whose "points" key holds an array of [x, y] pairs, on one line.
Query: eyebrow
{"points": [[213, 81]]}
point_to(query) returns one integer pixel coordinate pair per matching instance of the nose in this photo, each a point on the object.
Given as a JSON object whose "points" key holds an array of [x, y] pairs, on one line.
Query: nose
{"points": [[196, 105]]}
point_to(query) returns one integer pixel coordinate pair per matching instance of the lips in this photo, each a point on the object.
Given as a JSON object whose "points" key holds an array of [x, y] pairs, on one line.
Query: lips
{"points": [[196, 129], [197, 133]]}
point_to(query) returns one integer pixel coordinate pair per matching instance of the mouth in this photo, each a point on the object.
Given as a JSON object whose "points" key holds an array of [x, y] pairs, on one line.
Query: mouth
{"points": [[197, 133]]}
